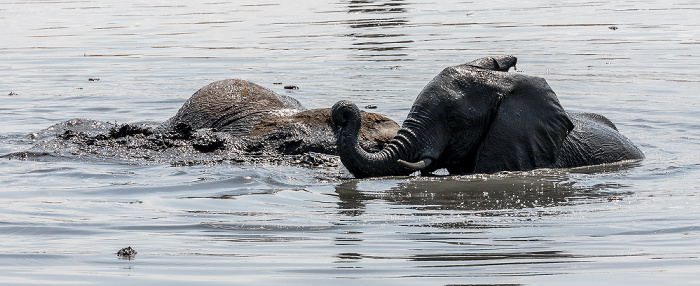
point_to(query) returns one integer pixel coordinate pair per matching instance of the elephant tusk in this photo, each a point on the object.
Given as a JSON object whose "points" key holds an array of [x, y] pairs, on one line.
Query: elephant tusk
{"points": [[420, 165]]}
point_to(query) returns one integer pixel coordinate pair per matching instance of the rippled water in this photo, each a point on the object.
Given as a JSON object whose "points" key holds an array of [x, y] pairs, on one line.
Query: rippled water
{"points": [[62, 221]]}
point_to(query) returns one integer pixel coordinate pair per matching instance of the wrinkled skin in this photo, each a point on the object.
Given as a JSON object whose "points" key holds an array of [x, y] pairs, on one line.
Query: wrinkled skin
{"points": [[480, 118], [229, 120]]}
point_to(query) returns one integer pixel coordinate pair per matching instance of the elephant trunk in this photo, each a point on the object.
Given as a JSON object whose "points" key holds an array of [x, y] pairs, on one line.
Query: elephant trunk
{"points": [[396, 159]]}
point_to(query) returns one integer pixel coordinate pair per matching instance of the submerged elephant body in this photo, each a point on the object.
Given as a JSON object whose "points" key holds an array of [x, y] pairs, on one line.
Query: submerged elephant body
{"points": [[229, 120], [479, 118], [243, 109], [232, 105], [594, 140]]}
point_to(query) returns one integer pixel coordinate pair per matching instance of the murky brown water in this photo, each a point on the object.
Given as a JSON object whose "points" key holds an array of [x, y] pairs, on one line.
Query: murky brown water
{"points": [[64, 220]]}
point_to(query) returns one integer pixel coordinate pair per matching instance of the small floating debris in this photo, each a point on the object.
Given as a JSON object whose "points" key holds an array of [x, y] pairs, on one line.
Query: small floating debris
{"points": [[612, 28], [126, 253], [371, 106], [277, 83], [291, 87], [614, 199], [12, 93], [93, 79]]}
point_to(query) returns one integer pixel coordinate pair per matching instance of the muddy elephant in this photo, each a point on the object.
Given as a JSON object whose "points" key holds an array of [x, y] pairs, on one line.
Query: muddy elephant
{"points": [[230, 120], [480, 118], [243, 109]]}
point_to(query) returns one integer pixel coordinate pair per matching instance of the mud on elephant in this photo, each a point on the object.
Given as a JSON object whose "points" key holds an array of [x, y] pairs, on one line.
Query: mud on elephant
{"points": [[228, 120], [480, 118], [271, 122]]}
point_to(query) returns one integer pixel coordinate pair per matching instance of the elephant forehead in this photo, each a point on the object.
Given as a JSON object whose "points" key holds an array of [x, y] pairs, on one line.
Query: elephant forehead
{"points": [[378, 128], [463, 81], [235, 96], [375, 127], [315, 118]]}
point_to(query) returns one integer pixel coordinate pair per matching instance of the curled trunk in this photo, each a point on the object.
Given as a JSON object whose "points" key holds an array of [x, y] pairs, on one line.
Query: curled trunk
{"points": [[359, 162]]}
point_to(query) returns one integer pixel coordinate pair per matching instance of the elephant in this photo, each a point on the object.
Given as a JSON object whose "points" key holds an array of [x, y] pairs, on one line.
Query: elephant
{"points": [[479, 118], [243, 109], [228, 120]]}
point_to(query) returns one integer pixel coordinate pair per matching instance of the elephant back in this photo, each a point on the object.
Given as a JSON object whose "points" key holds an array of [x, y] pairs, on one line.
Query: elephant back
{"points": [[595, 140], [232, 105]]}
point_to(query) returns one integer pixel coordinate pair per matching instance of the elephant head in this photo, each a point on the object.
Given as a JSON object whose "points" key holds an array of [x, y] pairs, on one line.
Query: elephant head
{"points": [[475, 117]]}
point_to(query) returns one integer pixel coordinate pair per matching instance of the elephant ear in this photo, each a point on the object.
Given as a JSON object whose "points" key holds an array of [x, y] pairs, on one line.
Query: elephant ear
{"points": [[497, 63], [528, 129]]}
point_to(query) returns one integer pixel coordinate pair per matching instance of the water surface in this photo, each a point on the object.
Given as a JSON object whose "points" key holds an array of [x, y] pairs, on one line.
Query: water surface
{"points": [[62, 221]]}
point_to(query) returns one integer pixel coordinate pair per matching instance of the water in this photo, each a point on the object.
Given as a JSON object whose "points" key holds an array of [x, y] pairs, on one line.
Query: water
{"points": [[62, 221]]}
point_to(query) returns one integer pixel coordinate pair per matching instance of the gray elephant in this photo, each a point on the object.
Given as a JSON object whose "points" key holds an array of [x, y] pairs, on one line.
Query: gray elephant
{"points": [[479, 118]]}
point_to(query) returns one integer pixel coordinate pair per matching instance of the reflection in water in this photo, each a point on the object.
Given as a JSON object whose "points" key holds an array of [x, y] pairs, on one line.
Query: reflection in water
{"points": [[347, 257], [378, 7], [352, 201], [380, 22], [378, 44], [496, 194], [460, 213], [511, 257], [374, 45]]}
